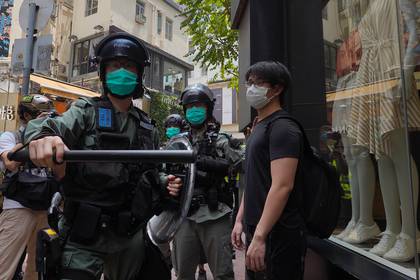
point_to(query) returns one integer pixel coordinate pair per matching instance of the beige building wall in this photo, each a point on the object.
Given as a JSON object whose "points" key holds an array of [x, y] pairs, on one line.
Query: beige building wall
{"points": [[83, 25], [59, 25], [122, 14]]}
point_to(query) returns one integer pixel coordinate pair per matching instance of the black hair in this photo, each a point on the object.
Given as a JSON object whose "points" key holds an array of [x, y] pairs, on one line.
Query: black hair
{"points": [[272, 72]]}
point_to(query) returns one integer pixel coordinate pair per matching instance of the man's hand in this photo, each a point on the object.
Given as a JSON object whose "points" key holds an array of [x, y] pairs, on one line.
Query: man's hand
{"points": [[255, 255], [236, 236], [174, 185], [41, 153], [9, 164]]}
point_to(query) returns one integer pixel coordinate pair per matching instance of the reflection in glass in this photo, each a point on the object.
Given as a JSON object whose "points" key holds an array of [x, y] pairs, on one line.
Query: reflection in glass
{"points": [[173, 78], [375, 67]]}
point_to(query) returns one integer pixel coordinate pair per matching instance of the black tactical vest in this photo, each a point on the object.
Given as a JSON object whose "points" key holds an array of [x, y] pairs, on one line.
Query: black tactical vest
{"points": [[113, 186]]}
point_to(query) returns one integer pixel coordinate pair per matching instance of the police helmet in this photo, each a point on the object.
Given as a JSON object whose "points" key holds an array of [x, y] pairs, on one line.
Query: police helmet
{"points": [[34, 104], [125, 45], [198, 93], [175, 120]]}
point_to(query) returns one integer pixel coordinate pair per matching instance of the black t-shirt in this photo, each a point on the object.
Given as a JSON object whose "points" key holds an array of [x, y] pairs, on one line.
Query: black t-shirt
{"points": [[281, 139]]}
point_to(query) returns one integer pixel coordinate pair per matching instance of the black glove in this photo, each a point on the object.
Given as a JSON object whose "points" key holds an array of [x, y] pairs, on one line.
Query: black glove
{"points": [[212, 165]]}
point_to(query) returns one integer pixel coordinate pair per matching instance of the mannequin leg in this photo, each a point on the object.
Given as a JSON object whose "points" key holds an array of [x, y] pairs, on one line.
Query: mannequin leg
{"points": [[354, 184], [366, 227], [390, 195], [403, 249]]}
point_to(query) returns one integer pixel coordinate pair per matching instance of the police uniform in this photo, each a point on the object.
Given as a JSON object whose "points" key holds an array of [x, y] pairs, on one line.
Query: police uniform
{"points": [[107, 205], [208, 228]]}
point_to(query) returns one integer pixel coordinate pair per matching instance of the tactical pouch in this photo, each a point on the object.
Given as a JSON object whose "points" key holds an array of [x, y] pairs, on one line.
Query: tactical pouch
{"points": [[85, 224], [113, 141], [143, 199]]}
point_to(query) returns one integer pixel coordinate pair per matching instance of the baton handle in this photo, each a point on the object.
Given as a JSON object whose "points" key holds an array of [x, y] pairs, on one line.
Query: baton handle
{"points": [[154, 156]]}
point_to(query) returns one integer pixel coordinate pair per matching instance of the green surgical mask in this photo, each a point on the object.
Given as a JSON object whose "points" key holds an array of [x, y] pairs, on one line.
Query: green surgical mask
{"points": [[196, 115], [121, 82], [172, 131]]}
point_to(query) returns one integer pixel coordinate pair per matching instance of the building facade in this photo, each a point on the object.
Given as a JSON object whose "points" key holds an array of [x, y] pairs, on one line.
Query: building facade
{"points": [[156, 23]]}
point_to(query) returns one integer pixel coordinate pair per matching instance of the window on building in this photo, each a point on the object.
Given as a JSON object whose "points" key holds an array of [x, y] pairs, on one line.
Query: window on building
{"points": [[173, 78], [191, 48], [168, 29], [330, 58], [190, 74], [91, 7], [159, 22], [84, 57], [140, 11], [156, 71]]}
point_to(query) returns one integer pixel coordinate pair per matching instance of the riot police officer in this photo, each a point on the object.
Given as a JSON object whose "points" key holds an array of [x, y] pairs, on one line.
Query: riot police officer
{"points": [[208, 226], [174, 125], [107, 205]]}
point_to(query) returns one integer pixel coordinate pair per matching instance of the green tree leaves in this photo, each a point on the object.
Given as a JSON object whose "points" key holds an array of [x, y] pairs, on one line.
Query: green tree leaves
{"points": [[207, 22]]}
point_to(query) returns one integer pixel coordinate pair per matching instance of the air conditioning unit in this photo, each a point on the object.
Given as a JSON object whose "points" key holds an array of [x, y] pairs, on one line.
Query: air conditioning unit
{"points": [[140, 18]]}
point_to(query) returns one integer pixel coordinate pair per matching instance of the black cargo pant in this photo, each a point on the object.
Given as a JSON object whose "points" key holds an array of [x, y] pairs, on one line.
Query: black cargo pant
{"points": [[285, 255]]}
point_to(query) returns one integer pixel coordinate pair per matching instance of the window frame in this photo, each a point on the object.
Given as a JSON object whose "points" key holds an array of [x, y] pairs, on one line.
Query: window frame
{"points": [[159, 22], [169, 23], [91, 8]]}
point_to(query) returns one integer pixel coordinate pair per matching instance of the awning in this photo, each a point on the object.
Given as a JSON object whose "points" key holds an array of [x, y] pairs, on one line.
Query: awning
{"points": [[59, 88]]}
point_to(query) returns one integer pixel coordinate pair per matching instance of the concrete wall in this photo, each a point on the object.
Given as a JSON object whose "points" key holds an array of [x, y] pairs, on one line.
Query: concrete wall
{"points": [[83, 25], [122, 15], [59, 26]]}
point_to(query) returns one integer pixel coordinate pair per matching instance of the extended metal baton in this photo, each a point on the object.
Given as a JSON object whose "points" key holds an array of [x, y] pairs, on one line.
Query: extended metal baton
{"points": [[155, 156]]}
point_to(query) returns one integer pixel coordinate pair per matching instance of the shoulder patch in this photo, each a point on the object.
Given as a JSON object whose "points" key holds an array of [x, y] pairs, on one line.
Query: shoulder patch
{"points": [[83, 102]]}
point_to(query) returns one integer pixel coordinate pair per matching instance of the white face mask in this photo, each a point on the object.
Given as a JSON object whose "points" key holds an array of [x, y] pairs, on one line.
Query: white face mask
{"points": [[257, 96]]}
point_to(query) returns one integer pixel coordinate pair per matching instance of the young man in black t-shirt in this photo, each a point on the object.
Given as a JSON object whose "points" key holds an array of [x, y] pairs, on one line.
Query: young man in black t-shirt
{"points": [[270, 210]]}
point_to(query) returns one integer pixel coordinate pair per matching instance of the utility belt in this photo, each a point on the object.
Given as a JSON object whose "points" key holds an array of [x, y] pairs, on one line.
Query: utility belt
{"points": [[88, 221], [210, 197]]}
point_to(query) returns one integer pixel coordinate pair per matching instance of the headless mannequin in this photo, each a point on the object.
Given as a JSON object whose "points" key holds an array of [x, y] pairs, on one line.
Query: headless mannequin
{"points": [[361, 227], [397, 242]]}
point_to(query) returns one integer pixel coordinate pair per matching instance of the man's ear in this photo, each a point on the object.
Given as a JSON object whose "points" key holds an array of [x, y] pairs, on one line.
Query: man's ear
{"points": [[278, 89]]}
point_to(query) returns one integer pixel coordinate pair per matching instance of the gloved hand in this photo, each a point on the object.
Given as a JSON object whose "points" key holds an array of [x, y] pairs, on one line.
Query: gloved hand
{"points": [[212, 165]]}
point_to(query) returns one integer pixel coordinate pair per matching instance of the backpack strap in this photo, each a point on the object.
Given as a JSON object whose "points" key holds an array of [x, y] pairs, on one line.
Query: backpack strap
{"points": [[307, 149]]}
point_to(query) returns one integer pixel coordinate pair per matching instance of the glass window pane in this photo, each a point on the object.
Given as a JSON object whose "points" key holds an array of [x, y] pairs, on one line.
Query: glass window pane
{"points": [[372, 79], [173, 78], [159, 22]]}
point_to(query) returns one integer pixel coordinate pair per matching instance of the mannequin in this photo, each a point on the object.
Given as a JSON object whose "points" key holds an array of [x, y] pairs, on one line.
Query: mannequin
{"points": [[397, 242], [362, 177], [361, 227], [377, 124]]}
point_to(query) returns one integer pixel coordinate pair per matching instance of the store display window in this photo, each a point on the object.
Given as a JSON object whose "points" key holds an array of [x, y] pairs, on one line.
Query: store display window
{"points": [[374, 125]]}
